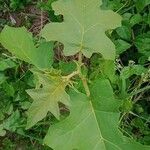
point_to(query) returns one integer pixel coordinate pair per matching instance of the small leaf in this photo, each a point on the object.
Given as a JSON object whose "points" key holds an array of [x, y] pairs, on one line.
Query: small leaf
{"points": [[137, 18], [124, 32], [6, 64], [121, 46], [84, 27], [132, 70], [46, 99], [2, 131], [9, 89], [67, 67], [22, 46], [25, 105], [12, 122]]}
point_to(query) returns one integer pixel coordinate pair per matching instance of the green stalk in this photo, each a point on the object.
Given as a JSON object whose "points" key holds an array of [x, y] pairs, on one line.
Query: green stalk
{"points": [[82, 77]]}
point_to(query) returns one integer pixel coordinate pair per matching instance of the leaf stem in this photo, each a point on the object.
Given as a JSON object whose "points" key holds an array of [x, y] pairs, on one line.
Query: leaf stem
{"points": [[68, 77], [80, 58], [86, 87], [82, 77], [79, 73]]}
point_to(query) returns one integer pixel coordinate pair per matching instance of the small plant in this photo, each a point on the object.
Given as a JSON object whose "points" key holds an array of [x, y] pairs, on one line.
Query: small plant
{"points": [[94, 94]]}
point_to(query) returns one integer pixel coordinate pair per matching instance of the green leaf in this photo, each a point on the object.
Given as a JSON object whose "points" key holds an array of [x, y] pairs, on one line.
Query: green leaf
{"points": [[121, 46], [141, 4], [67, 67], [146, 18], [46, 99], [6, 64], [112, 4], [20, 43], [128, 71], [45, 55], [9, 89], [142, 42], [124, 32], [83, 28], [2, 131], [137, 18], [12, 122], [108, 69], [92, 124], [25, 105], [2, 78]]}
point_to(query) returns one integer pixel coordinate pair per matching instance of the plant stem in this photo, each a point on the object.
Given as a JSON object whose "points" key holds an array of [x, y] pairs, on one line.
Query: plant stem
{"points": [[122, 6], [82, 77], [68, 77], [123, 87], [140, 90], [86, 87], [79, 73], [80, 58]]}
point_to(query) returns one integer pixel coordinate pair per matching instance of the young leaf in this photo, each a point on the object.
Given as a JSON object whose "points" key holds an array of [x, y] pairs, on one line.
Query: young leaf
{"points": [[83, 28], [46, 99], [92, 124], [20, 43]]}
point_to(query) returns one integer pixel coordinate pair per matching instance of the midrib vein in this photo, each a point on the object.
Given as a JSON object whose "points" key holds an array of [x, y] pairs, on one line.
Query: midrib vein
{"points": [[101, 137]]}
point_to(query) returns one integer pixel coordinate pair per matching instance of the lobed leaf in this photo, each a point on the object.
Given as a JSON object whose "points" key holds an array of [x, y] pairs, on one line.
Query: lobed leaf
{"points": [[92, 124], [83, 28], [46, 99]]}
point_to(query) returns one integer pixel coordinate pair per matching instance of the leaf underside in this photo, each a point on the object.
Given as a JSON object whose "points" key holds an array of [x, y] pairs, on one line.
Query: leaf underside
{"points": [[83, 28]]}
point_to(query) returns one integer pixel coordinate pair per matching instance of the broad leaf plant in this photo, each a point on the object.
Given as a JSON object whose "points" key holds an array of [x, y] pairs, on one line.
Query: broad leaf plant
{"points": [[93, 121]]}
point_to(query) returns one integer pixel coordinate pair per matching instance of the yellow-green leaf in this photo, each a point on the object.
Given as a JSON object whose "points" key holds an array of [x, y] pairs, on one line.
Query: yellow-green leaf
{"points": [[46, 99]]}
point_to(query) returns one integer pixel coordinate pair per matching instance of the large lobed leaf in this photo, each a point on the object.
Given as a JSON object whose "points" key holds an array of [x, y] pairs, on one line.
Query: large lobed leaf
{"points": [[20, 43], [46, 99], [83, 28], [92, 124]]}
